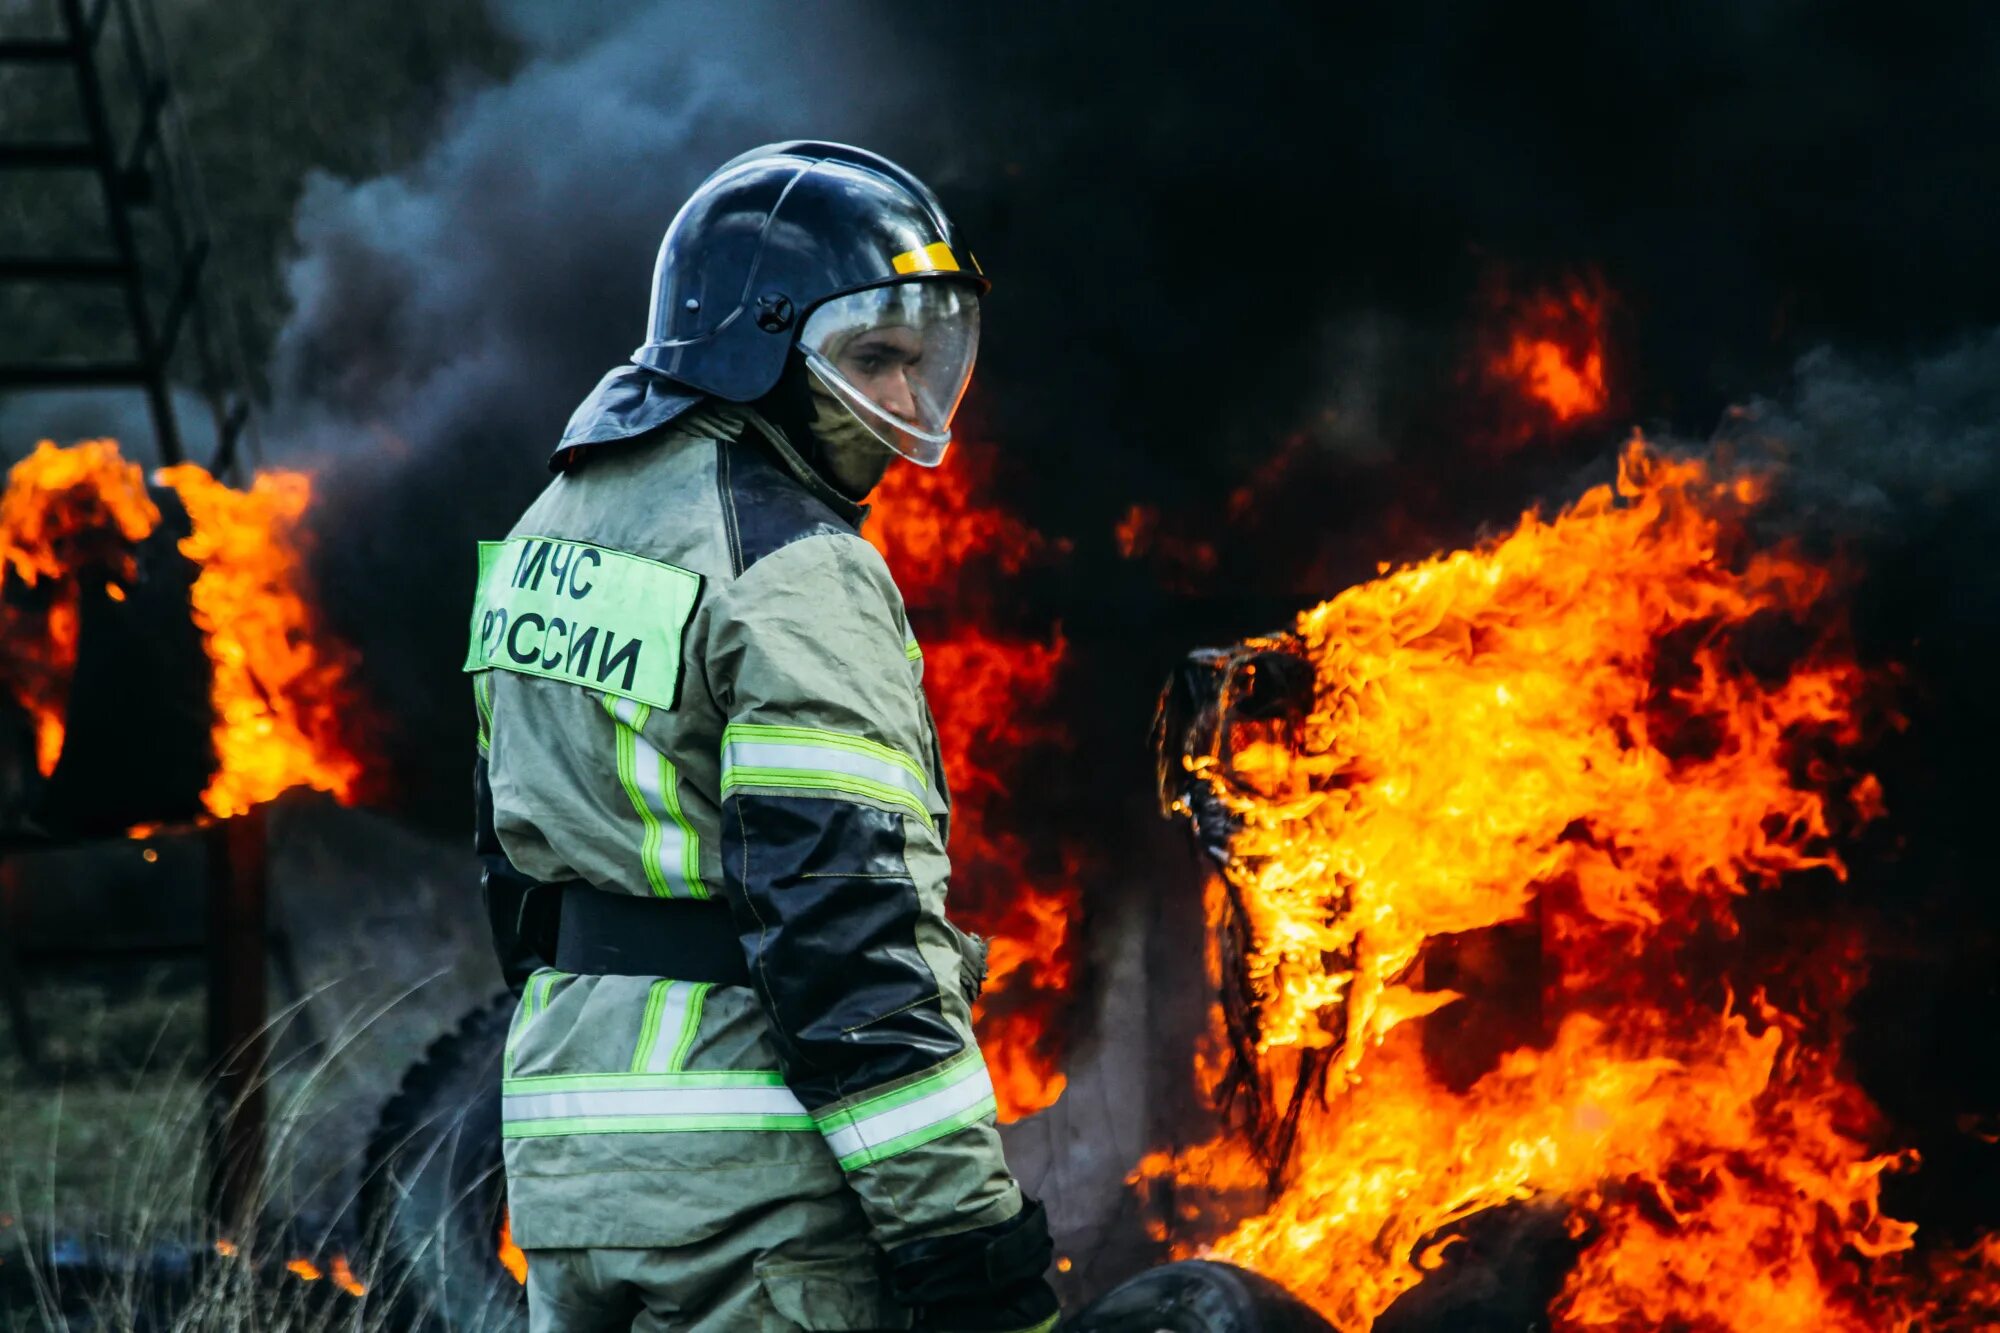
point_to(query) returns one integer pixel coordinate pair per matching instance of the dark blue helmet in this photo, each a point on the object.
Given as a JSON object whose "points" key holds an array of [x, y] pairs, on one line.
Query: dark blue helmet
{"points": [[772, 235]]}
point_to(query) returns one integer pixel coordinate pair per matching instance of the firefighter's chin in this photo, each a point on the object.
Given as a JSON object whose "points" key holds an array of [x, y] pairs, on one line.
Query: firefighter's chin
{"points": [[853, 458], [856, 461]]}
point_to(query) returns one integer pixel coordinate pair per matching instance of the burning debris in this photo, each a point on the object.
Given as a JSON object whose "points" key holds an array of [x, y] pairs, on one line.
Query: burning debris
{"points": [[990, 688], [72, 522], [1526, 793]]}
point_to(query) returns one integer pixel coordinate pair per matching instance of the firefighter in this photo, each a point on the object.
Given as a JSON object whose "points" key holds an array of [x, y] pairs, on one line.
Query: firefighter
{"points": [[741, 1090]]}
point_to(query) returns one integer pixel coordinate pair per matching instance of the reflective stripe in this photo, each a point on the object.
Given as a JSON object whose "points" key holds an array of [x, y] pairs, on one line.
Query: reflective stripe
{"points": [[690, 1025], [765, 755], [804, 758], [666, 1035], [669, 849], [820, 741], [648, 1103], [936, 256], [482, 695], [959, 1094], [912, 651], [534, 997]]}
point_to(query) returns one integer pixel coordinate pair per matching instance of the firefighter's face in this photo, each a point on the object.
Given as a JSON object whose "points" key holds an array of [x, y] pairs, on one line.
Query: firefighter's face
{"points": [[880, 363], [854, 457]]}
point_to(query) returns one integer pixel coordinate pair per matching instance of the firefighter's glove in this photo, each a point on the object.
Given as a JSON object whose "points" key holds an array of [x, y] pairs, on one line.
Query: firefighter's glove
{"points": [[984, 1281]]}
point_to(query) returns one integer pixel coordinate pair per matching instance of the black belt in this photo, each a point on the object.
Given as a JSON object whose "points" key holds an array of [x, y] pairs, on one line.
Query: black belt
{"points": [[622, 935]]}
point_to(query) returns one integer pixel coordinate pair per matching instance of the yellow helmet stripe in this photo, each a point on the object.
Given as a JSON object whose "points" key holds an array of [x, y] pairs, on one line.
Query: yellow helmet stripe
{"points": [[935, 257]]}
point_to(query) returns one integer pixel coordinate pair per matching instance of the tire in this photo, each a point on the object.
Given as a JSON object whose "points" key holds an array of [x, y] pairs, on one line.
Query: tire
{"points": [[1197, 1296], [434, 1191]]}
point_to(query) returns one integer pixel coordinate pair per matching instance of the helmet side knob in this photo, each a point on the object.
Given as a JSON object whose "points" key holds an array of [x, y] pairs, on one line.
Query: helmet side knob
{"points": [[774, 312]]}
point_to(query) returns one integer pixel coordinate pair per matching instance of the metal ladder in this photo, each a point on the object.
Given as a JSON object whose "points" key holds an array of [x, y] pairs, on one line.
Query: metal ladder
{"points": [[142, 169]]}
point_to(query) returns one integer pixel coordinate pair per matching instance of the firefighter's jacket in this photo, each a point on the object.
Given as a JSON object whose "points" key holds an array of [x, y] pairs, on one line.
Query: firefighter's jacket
{"points": [[695, 679]]}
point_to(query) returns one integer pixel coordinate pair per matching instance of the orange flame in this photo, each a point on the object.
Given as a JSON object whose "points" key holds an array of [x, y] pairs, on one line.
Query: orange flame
{"points": [[1558, 730], [512, 1257], [985, 687], [337, 1271], [71, 514], [277, 692], [342, 1276]]}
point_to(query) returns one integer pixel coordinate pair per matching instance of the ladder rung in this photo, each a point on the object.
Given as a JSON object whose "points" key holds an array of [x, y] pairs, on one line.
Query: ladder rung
{"points": [[60, 268], [47, 155], [54, 374]]}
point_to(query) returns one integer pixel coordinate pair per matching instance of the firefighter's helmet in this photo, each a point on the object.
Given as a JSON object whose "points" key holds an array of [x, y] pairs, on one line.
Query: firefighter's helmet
{"points": [[837, 251]]}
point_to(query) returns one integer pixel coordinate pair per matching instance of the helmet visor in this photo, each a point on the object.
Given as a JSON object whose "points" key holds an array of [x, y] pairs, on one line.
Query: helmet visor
{"points": [[899, 357]]}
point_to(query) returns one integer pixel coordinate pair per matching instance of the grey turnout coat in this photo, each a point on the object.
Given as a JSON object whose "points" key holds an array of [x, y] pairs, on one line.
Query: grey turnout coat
{"points": [[696, 679]]}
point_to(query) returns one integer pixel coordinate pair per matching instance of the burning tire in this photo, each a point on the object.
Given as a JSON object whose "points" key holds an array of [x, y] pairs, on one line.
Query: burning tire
{"points": [[1197, 1296], [434, 1193]]}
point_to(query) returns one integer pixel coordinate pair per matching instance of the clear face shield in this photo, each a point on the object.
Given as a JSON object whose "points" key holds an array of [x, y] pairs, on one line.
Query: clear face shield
{"points": [[899, 357]]}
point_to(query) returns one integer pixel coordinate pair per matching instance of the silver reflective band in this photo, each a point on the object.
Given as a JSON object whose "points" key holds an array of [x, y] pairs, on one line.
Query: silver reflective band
{"points": [[821, 758], [648, 1103], [653, 1101], [911, 1117]]}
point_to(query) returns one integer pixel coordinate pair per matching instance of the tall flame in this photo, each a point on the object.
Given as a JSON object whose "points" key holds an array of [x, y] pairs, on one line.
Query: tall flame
{"points": [[1577, 731], [277, 692], [278, 685], [986, 686]]}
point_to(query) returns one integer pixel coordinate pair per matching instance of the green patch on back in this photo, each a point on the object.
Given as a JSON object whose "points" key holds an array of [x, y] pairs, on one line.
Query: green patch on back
{"points": [[584, 614]]}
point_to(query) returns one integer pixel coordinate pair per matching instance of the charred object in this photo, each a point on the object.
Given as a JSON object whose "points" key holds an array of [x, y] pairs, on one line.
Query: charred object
{"points": [[136, 746]]}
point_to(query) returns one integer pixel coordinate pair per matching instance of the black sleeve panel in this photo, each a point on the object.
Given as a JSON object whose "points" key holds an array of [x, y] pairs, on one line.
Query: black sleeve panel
{"points": [[828, 914], [521, 919]]}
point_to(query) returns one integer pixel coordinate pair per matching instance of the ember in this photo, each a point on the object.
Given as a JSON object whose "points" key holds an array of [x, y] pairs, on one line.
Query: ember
{"points": [[986, 685], [1582, 731], [278, 687]]}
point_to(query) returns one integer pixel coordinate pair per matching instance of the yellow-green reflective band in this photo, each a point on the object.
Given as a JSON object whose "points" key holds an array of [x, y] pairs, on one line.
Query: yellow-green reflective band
{"points": [[798, 780], [482, 696], [667, 1032], [657, 996], [580, 613], [690, 1025], [648, 1103], [958, 1094], [807, 759], [669, 847], [912, 651], [534, 997]]}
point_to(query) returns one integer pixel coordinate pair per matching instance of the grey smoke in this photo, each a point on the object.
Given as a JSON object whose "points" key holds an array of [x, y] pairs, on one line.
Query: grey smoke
{"points": [[1876, 452]]}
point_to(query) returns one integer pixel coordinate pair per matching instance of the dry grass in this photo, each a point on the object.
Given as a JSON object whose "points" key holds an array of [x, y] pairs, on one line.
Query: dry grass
{"points": [[102, 1179]]}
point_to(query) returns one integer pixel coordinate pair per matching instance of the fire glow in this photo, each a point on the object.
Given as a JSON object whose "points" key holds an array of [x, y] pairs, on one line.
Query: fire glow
{"points": [[985, 686], [277, 687], [1560, 733], [1552, 360]]}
